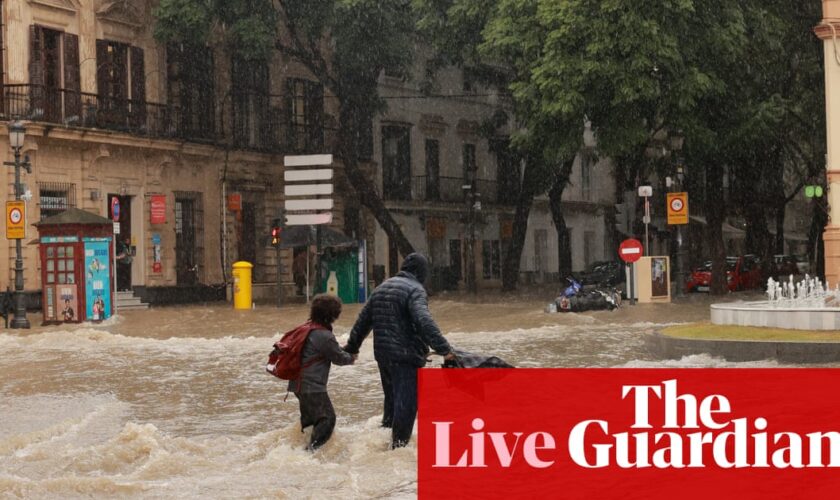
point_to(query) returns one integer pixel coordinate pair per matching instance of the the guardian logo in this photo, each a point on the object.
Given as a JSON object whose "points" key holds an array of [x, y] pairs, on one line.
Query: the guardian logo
{"points": [[692, 434]]}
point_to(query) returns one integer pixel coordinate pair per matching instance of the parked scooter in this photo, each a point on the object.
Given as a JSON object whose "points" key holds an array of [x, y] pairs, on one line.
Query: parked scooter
{"points": [[574, 299]]}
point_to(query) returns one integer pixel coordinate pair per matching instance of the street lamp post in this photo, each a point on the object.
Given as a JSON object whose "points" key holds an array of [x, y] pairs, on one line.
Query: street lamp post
{"points": [[17, 133], [674, 146], [474, 205], [681, 274]]}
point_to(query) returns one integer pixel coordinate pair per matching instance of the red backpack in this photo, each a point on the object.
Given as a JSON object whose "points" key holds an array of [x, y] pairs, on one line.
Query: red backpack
{"points": [[285, 361]]}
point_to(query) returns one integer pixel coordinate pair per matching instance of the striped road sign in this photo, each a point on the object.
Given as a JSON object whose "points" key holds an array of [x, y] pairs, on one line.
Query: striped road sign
{"points": [[308, 190]]}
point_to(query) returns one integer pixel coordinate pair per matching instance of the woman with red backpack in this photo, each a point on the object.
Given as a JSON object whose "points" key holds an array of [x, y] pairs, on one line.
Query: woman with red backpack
{"points": [[318, 349]]}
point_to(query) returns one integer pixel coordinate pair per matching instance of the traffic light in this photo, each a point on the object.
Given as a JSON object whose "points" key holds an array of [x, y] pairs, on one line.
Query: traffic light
{"points": [[277, 231], [625, 214], [813, 191], [623, 219]]}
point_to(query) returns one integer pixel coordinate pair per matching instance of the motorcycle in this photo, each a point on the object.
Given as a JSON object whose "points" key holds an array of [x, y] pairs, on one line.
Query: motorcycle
{"points": [[574, 299]]}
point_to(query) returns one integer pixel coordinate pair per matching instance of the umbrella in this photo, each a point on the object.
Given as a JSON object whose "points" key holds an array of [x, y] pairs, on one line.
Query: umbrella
{"points": [[301, 236]]}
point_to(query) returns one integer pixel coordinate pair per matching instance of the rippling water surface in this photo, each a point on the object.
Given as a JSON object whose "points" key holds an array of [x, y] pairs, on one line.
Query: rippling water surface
{"points": [[173, 403]]}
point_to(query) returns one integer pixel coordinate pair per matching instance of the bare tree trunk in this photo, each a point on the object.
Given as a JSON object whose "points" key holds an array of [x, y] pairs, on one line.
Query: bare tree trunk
{"points": [[513, 252], [555, 200], [780, 229], [760, 241], [715, 210], [758, 236]]}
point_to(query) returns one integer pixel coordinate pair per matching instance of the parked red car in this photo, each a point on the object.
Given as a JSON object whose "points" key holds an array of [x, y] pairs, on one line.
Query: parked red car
{"points": [[742, 273]]}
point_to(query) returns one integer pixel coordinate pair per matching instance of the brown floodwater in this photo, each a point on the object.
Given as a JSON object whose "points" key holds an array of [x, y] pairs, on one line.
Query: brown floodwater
{"points": [[174, 402]]}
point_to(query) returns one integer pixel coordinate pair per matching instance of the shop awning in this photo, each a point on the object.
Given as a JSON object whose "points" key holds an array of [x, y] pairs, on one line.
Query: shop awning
{"points": [[74, 216]]}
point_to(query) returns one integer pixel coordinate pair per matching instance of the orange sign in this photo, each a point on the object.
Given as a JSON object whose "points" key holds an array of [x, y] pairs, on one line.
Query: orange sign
{"points": [[15, 220], [506, 230], [677, 208], [234, 202], [436, 228]]}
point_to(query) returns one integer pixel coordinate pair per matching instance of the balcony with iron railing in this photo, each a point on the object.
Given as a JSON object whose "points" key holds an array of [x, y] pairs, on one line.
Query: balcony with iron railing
{"points": [[254, 123]]}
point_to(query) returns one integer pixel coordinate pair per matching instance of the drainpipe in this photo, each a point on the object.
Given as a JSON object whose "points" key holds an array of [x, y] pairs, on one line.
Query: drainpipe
{"points": [[223, 215]]}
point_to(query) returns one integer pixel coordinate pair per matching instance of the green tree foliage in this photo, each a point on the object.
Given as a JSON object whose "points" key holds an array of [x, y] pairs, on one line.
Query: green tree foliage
{"points": [[739, 80], [780, 131], [496, 39], [345, 44]]}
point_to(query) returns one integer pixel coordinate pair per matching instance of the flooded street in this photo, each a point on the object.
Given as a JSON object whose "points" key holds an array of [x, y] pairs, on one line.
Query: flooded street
{"points": [[174, 402]]}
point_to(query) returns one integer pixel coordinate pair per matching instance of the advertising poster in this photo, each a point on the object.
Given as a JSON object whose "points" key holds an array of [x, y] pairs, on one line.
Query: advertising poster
{"points": [[97, 279], [658, 277], [157, 266], [68, 304]]}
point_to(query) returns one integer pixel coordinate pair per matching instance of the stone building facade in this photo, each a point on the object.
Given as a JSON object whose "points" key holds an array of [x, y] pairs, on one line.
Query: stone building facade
{"points": [[431, 147], [110, 113]]}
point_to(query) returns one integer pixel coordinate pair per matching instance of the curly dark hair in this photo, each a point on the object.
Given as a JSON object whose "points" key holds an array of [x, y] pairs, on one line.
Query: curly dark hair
{"points": [[325, 309]]}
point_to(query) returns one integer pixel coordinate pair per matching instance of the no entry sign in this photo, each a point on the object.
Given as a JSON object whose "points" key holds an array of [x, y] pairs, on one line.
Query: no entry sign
{"points": [[630, 250]]}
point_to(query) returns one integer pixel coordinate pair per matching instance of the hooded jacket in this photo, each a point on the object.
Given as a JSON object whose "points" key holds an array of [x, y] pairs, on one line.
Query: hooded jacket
{"points": [[398, 313]]}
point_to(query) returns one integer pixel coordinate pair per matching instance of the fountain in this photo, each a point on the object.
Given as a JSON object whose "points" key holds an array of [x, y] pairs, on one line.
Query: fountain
{"points": [[808, 304]]}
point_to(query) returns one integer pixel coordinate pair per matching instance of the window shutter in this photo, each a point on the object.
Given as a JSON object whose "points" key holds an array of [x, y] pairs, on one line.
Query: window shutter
{"points": [[207, 94], [72, 84], [288, 97], [173, 74], [262, 102], [238, 100], [138, 75], [103, 82], [36, 69], [315, 109], [138, 87]]}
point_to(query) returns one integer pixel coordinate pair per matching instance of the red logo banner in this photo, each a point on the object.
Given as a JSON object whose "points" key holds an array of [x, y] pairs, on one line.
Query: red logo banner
{"points": [[629, 433], [158, 209]]}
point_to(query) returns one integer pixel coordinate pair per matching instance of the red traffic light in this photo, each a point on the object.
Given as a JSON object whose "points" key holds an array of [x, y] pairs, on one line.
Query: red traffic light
{"points": [[276, 233]]}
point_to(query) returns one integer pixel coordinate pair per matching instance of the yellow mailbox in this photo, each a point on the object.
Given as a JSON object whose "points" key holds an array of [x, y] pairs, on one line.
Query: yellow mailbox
{"points": [[242, 285]]}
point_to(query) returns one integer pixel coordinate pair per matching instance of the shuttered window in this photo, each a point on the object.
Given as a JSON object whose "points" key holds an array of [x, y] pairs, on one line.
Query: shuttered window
{"points": [[250, 100], [396, 162], [112, 72], [491, 259], [72, 80], [121, 84], [305, 108], [191, 90], [54, 75]]}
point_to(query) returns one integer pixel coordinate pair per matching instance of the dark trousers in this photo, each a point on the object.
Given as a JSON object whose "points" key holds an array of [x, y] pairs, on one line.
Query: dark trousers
{"points": [[316, 410], [123, 276], [399, 384]]}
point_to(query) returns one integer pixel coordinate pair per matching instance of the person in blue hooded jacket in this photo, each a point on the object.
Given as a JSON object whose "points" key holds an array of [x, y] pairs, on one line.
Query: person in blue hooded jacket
{"points": [[403, 331]]}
